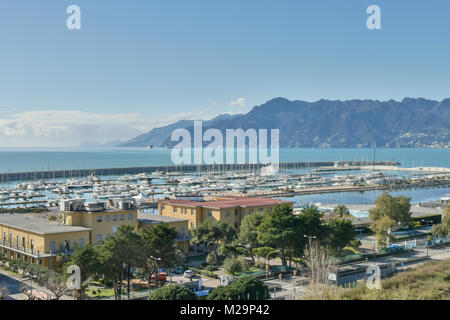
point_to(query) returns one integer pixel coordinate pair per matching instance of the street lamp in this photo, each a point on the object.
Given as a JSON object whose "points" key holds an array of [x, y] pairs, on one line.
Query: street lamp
{"points": [[156, 266]]}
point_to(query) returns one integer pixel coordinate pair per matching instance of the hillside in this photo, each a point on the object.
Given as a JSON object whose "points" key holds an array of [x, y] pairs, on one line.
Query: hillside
{"points": [[325, 123], [430, 281]]}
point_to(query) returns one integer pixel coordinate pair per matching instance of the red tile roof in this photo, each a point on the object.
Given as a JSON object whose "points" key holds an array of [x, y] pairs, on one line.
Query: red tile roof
{"points": [[242, 202]]}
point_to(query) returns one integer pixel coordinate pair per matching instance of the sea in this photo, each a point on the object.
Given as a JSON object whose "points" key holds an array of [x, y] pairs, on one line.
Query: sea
{"points": [[25, 160]]}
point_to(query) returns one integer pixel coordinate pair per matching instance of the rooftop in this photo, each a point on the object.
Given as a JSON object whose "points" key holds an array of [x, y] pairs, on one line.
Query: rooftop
{"points": [[222, 204], [36, 225], [151, 218]]}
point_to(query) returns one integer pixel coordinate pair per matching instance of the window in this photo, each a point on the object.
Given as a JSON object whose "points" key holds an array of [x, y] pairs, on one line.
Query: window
{"points": [[23, 242], [17, 240], [108, 218], [163, 206], [130, 216], [99, 237], [270, 209], [192, 212], [114, 229], [175, 209], [99, 218], [250, 211], [122, 216], [210, 213], [227, 214], [31, 244], [236, 225], [260, 209], [4, 236], [82, 242], [115, 217], [107, 236], [235, 212], [53, 246], [192, 225]]}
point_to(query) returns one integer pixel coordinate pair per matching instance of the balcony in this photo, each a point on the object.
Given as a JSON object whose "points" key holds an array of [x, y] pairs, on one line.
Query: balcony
{"points": [[14, 246]]}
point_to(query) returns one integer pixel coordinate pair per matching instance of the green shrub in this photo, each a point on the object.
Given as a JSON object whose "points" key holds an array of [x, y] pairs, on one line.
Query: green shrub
{"points": [[242, 289], [173, 292], [211, 268]]}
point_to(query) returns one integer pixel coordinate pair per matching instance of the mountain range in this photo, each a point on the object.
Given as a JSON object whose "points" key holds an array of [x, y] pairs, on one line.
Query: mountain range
{"points": [[332, 123]]}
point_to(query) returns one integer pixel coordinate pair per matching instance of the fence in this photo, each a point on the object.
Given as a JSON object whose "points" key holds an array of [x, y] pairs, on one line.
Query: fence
{"points": [[423, 243]]}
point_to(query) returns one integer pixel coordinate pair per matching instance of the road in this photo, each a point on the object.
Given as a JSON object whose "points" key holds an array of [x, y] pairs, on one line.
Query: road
{"points": [[13, 285], [290, 291]]}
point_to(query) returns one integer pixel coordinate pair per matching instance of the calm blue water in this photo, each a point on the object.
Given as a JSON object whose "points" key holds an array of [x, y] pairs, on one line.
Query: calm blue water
{"points": [[19, 160], [368, 197]]}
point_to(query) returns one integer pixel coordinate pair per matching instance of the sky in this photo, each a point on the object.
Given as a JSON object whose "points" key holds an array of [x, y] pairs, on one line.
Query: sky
{"points": [[138, 64]]}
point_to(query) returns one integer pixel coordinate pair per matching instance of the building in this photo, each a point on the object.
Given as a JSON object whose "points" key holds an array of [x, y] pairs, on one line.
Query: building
{"points": [[103, 220], [39, 240], [229, 210]]}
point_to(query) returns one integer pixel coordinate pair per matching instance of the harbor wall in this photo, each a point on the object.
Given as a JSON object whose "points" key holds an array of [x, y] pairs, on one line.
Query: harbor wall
{"points": [[41, 175]]}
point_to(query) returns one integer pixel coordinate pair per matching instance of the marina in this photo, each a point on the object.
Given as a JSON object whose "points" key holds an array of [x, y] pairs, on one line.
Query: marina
{"points": [[305, 183]]}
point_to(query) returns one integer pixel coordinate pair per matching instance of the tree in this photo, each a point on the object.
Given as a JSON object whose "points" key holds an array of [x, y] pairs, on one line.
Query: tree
{"points": [[318, 266], [160, 243], [120, 252], [443, 229], [214, 234], [56, 284], [278, 230], [388, 212], [355, 243], [341, 233], [265, 253], [248, 234], [309, 225], [234, 266], [39, 273], [173, 292], [88, 260], [341, 211], [245, 288]]}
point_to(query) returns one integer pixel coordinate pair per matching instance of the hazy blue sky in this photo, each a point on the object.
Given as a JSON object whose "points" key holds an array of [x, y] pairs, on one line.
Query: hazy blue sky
{"points": [[139, 63]]}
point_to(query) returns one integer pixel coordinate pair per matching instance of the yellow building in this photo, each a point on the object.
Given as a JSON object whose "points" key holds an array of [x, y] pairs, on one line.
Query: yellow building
{"points": [[102, 223], [38, 240], [231, 210]]}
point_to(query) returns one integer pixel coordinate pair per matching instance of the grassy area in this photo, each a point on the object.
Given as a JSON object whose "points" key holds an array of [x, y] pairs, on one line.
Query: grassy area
{"points": [[100, 293], [350, 250], [430, 281]]}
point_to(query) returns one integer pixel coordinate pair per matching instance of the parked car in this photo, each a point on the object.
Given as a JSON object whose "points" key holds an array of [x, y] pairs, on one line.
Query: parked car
{"points": [[162, 276], [188, 274], [179, 270]]}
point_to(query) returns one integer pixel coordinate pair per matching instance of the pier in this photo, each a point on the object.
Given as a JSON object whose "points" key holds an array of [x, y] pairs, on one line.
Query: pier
{"points": [[334, 189], [46, 175]]}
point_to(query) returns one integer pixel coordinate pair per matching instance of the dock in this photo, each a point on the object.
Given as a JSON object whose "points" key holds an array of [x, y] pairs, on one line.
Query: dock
{"points": [[335, 189]]}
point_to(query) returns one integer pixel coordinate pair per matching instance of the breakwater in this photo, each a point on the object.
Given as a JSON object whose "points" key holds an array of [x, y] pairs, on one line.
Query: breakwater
{"points": [[217, 168]]}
